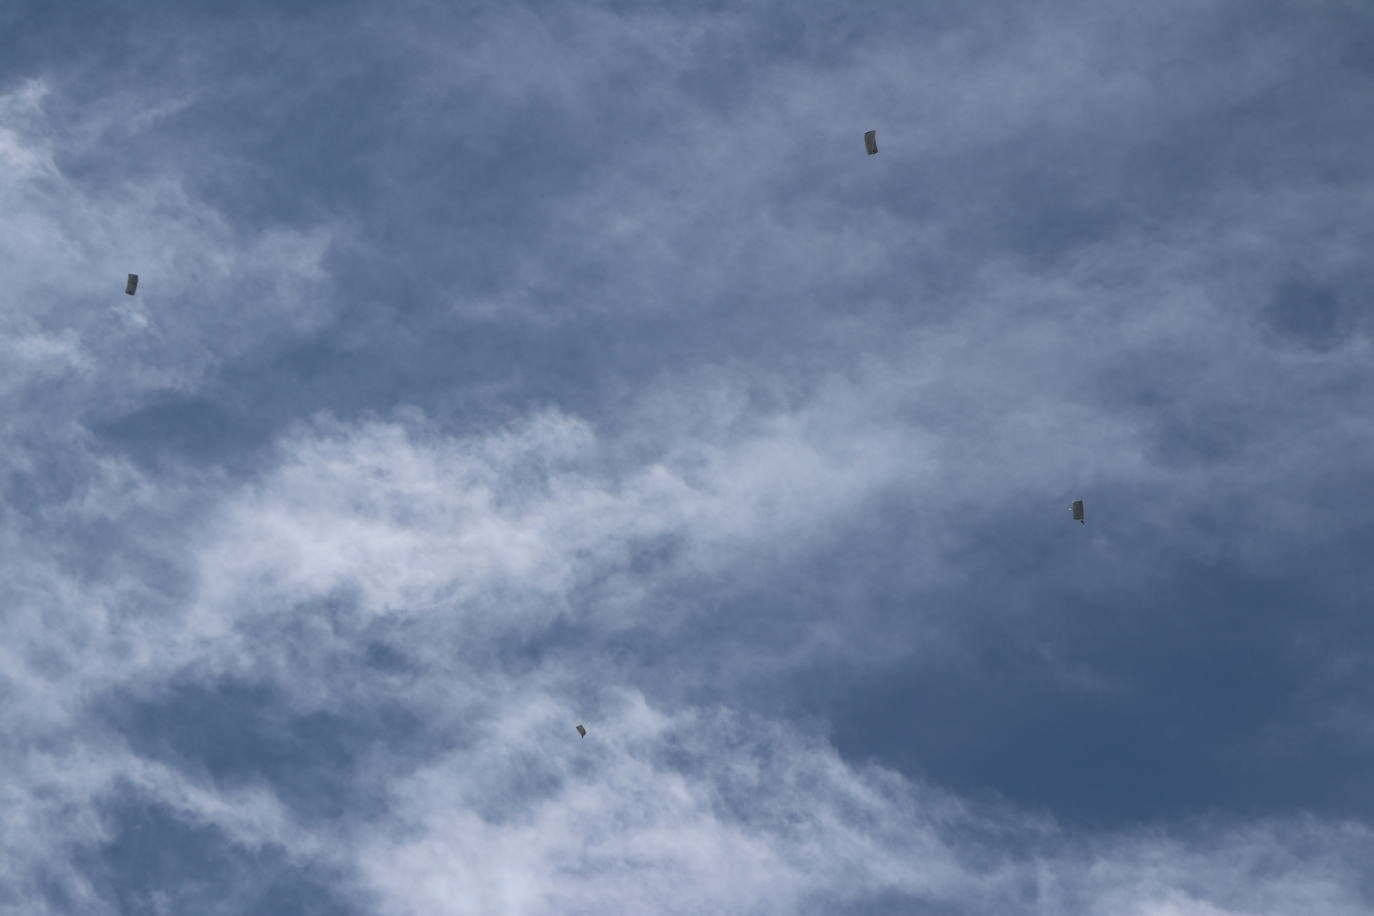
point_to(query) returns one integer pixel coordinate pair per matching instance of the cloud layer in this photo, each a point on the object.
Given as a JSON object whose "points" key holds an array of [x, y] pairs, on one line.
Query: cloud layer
{"points": [[498, 370]]}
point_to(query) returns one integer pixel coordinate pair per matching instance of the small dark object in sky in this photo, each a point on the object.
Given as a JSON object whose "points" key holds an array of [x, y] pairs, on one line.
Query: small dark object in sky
{"points": [[871, 142], [132, 285], [1077, 508], [582, 731]]}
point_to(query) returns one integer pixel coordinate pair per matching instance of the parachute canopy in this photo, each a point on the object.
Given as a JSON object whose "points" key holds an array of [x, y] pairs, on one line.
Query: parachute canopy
{"points": [[582, 731], [1077, 508], [132, 285], [871, 141]]}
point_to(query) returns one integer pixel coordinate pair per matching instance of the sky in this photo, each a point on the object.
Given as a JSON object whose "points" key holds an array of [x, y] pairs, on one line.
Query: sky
{"points": [[500, 367]]}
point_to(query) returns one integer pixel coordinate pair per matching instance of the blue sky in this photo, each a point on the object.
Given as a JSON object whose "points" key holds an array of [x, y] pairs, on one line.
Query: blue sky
{"points": [[501, 367]]}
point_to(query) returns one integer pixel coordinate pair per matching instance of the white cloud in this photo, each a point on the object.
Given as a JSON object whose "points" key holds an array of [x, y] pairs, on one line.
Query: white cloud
{"points": [[969, 384], [696, 810], [208, 291], [652, 812], [461, 539]]}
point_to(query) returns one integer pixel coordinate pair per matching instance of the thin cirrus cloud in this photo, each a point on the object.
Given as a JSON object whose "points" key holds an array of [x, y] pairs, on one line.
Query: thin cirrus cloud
{"points": [[498, 370]]}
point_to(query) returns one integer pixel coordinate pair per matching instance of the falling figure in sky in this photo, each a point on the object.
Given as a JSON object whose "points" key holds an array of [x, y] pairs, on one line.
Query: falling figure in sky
{"points": [[871, 142], [132, 286], [1077, 508]]}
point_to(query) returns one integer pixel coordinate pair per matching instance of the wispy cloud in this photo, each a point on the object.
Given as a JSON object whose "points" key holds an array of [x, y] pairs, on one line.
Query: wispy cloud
{"points": [[499, 370]]}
